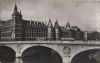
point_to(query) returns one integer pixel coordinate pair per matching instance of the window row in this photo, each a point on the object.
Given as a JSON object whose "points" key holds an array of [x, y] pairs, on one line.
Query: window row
{"points": [[35, 35], [8, 23], [36, 30], [6, 34]]}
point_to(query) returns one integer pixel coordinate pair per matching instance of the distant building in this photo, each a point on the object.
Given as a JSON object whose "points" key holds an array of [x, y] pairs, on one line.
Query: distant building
{"points": [[93, 35], [18, 29]]}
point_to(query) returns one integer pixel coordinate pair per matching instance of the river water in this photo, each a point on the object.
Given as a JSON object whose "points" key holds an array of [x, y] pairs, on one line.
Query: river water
{"points": [[29, 60], [39, 60]]}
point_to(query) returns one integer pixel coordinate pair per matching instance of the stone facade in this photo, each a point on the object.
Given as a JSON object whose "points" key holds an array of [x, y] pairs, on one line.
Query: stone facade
{"points": [[18, 29]]}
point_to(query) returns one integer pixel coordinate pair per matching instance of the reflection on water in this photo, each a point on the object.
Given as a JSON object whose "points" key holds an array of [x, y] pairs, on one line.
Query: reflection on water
{"points": [[9, 61], [37, 59], [29, 60], [16, 60], [44, 59]]}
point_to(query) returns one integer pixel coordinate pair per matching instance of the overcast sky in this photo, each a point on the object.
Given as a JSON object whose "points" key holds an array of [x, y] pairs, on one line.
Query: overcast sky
{"points": [[82, 13]]}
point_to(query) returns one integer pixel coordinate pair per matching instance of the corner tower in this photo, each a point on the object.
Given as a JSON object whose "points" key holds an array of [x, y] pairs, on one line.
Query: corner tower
{"points": [[17, 21], [57, 30], [50, 35], [16, 14]]}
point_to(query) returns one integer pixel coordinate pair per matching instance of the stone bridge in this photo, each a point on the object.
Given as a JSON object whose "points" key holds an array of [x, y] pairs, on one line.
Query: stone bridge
{"points": [[66, 49]]}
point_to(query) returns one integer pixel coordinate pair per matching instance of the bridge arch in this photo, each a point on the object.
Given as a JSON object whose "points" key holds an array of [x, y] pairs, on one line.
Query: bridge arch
{"points": [[87, 56], [53, 47], [80, 48], [7, 53], [43, 51]]}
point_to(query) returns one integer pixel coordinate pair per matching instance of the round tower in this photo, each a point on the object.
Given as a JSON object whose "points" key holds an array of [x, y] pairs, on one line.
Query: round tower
{"points": [[57, 30], [50, 35]]}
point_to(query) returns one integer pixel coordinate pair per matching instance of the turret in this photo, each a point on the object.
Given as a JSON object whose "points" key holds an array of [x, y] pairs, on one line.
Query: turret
{"points": [[85, 35], [57, 30], [16, 14], [50, 30], [68, 31], [17, 24], [68, 25]]}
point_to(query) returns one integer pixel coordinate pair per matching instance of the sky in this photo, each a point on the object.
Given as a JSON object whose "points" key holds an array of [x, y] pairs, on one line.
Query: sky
{"points": [[82, 13]]}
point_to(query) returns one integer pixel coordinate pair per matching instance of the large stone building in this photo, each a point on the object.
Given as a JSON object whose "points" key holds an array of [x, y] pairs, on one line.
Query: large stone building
{"points": [[18, 29]]}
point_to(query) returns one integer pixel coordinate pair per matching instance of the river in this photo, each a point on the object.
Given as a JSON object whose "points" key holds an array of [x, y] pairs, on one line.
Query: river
{"points": [[42, 59], [29, 60]]}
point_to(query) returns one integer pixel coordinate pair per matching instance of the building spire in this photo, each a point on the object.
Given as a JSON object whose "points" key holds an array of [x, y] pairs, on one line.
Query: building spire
{"points": [[16, 13], [50, 23], [68, 24], [56, 23], [15, 9]]}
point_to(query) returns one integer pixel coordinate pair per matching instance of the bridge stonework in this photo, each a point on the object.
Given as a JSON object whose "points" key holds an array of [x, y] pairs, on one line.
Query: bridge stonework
{"points": [[66, 49]]}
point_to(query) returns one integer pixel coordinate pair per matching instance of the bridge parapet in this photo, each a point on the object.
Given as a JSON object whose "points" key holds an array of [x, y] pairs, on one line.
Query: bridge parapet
{"points": [[53, 42], [66, 49]]}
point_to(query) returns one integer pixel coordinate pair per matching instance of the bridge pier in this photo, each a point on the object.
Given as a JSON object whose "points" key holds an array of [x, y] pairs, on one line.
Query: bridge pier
{"points": [[66, 60], [18, 60], [18, 54]]}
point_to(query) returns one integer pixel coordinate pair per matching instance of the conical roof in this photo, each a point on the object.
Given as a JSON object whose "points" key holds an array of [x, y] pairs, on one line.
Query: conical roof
{"points": [[16, 13], [68, 25], [50, 23], [56, 23], [15, 8]]}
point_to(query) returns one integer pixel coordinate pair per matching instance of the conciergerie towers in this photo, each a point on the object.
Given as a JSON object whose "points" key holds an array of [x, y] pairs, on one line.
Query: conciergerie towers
{"points": [[18, 29]]}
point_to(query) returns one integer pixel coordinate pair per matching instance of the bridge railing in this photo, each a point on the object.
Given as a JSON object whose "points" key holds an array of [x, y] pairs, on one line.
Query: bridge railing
{"points": [[52, 42]]}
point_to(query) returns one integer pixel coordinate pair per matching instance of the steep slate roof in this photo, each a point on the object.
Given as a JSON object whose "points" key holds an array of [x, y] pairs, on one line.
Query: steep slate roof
{"points": [[50, 23], [34, 24], [75, 28], [56, 24]]}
